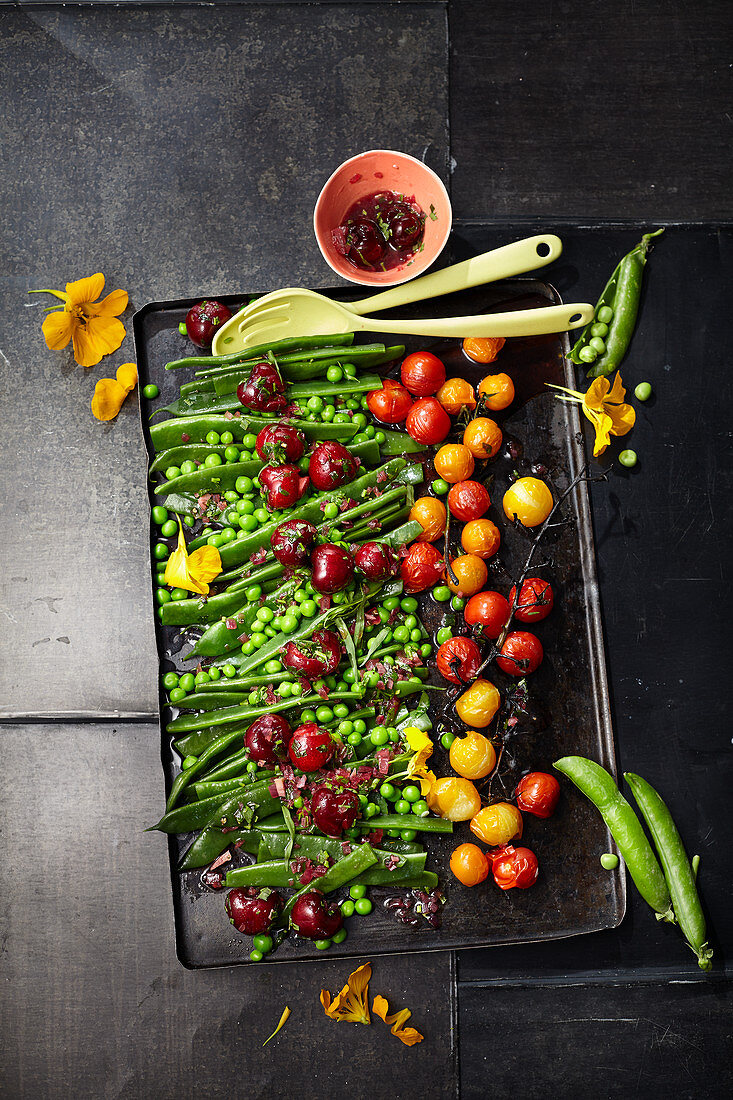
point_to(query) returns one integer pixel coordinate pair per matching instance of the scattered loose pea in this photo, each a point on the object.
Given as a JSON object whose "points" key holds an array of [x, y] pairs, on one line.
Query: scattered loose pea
{"points": [[609, 861], [151, 391], [643, 391], [340, 936], [347, 908], [442, 593], [363, 907], [182, 328], [440, 487], [628, 458]]}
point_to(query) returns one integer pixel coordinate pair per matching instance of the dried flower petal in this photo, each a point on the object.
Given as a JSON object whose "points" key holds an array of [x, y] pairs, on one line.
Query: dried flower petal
{"points": [[352, 1002], [282, 1022], [407, 1035]]}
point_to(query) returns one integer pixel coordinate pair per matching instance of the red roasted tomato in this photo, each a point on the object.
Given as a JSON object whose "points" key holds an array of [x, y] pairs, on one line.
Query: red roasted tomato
{"points": [[538, 794], [459, 660], [521, 653], [536, 600], [427, 421], [489, 610], [514, 867], [468, 500], [391, 404], [422, 567], [422, 373]]}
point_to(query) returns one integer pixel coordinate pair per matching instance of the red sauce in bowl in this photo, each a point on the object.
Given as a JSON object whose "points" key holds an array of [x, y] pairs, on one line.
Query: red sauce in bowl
{"points": [[381, 231]]}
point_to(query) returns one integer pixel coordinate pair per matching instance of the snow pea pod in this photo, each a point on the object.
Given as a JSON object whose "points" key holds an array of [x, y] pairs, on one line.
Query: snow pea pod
{"points": [[275, 845], [227, 715], [346, 870], [676, 866], [292, 344], [170, 433], [210, 844], [207, 788], [214, 749], [402, 821], [224, 635], [302, 390], [224, 604], [625, 828], [196, 815], [363, 357]]}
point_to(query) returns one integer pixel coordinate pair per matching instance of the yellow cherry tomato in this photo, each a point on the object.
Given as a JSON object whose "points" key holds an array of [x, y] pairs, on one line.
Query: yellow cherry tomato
{"points": [[469, 864], [453, 463], [430, 514], [478, 704], [497, 391], [454, 799], [483, 437], [472, 575], [497, 824], [473, 756], [480, 537], [530, 500]]}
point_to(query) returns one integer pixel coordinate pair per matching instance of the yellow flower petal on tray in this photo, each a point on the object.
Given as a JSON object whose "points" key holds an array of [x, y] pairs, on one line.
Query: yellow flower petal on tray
{"points": [[351, 1004], [195, 571], [407, 1035], [92, 326]]}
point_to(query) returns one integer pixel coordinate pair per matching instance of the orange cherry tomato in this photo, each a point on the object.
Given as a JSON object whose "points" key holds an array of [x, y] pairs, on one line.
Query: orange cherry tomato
{"points": [[468, 500], [473, 756], [456, 799], [530, 500], [489, 611], [453, 462], [469, 864], [422, 373], [422, 567], [456, 394], [483, 349], [481, 537], [430, 514], [478, 704], [471, 573], [497, 824], [483, 437], [497, 391]]}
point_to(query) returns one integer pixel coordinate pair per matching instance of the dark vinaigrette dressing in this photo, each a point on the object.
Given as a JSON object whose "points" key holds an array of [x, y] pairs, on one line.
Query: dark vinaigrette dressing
{"points": [[381, 231]]}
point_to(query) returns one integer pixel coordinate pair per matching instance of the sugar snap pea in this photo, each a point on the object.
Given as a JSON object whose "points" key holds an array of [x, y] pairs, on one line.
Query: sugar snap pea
{"points": [[363, 357], [298, 343], [677, 868], [625, 828], [211, 842], [194, 429]]}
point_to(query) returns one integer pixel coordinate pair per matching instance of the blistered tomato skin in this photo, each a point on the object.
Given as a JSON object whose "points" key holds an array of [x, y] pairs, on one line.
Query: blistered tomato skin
{"points": [[497, 391], [467, 575], [422, 567], [456, 394], [483, 437], [427, 421], [455, 799], [478, 704], [422, 373], [489, 611], [468, 500], [430, 513], [458, 660], [483, 349], [497, 824], [469, 864], [520, 654], [391, 404], [473, 756], [536, 600], [481, 537], [530, 500], [515, 867], [454, 463], [538, 793]]}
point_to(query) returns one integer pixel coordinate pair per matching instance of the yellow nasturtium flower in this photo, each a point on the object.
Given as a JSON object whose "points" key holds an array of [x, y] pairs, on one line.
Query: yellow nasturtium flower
{"points": [[606, 409], [192, 571], [93, 327], [422, 749], [110, 393], [407, 1035], [352, 1002]]}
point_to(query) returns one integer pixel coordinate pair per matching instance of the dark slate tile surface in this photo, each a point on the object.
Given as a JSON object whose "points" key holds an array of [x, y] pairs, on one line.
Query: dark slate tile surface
{"points": [[614, 1041], [584, 110], [94, 1002], [180, 151]]}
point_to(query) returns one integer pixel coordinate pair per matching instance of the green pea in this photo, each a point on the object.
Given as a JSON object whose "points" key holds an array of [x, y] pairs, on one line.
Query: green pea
{"points": [[170, 680], [334, 374], [248, 523], [250, 441], [440, 487], [442, 593], [324, 714], [182, 328], [159, 513], [253, 592], [262, 943], [176, 694], [202, 677], [307, 716], [231, 454], [340, 710], [407, 834], [188, 762], [347, 908], [379, 437], [187, 681], [329, 413], [421, 808], [265, 614], [628, 458], [387, 791], [213, 459], [229, 671], [315, 404], [251, 767], [256, 956], [363, 906], [604, 314], [258, 639], [331, 511], [308, 608], [402, 806], [188, 467], [360, 726], [214, 673], [212, 439], [588, 355], [298, 803], [443, 635], [354, 738], [289, 624], [160, 551], [447, 740], [340, 936], [599, 330], [411, 793], [391, 603], [457, 603], [426, 649], [643, 391], [401, 634], [359, 420], [357, 892], [189, 521], [370, 810], [409, 605], [162, 596], [243, 484], [597, 344], [322, 945], [285, 689], [169, 528], [370, 431], [379, 736], [262, 515], [297, 690], [609, 861], [228, 534], [151, 391]]}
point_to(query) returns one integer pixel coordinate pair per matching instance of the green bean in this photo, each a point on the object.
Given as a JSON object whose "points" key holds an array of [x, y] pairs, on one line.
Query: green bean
{"points": [[677, 868], [364, 356], [296, 343], [402, 821], [597, 785]]}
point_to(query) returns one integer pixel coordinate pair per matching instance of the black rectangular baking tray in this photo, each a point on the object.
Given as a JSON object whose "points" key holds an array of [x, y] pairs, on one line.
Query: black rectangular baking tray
{"points": [[573, 895]]}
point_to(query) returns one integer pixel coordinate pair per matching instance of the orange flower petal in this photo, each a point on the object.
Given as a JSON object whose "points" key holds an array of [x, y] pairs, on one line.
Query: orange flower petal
{"points": [[108, 398], [623, 418], [112, 306], [100, 336], [85, 290], [351, 1003], [57, 329], [603, 427], [127, 376], [281, 1023], [407, 1035], [618, 393]]}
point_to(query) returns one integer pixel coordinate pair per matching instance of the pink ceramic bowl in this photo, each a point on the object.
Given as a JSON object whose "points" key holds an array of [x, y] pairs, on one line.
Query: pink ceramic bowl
{"points": [[383, 170]]}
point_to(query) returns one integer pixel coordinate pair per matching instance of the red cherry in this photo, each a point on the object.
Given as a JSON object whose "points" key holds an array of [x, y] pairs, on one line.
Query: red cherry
{"points": [[267, 738], [377, 561], [263, 390], [293, 541], [314, 657], [334, 809], [333, 567], [253, 911], [280, 443], [314, 917], [311, 747], [331, 465], [203, 320], [283, 485]]}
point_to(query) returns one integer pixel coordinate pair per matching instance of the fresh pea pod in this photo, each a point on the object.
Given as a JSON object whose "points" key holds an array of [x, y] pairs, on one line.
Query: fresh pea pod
{"points": [[300, 357], [211, 842], [621, 296], [217, 746], [625, 828], [297, 343], [677, 868]]}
